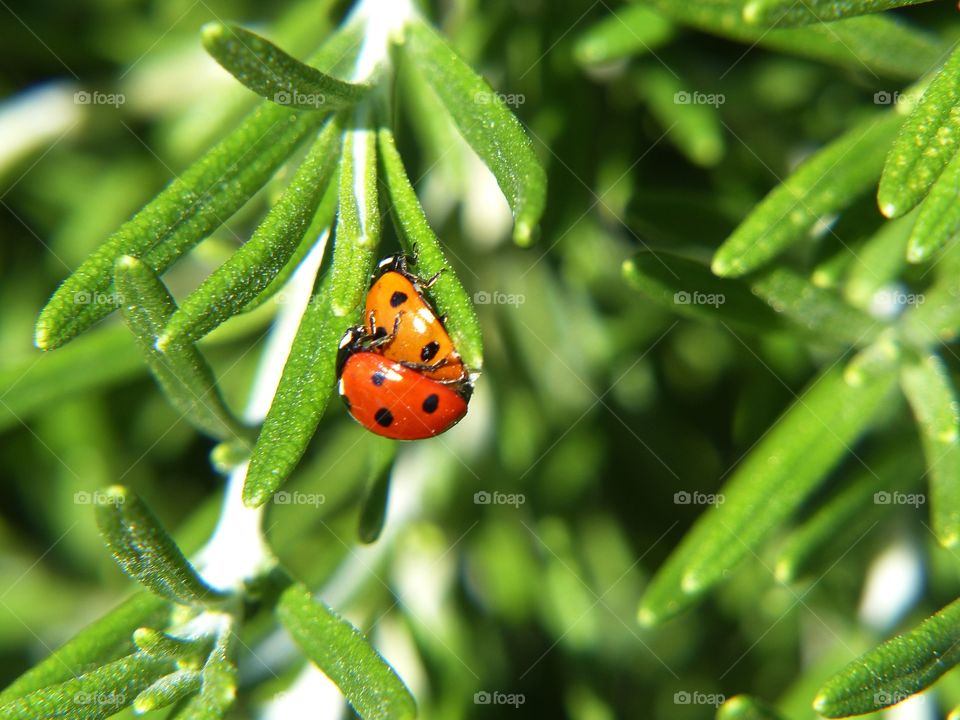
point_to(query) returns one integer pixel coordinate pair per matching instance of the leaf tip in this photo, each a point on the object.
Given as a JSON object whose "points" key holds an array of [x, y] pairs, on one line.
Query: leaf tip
{"points": [[722, 267], [916, 252], [752, 12], [888, 209], [646, 617], [783, 571], [211, 33], [41, 334], [820, 703], [525, 234]]}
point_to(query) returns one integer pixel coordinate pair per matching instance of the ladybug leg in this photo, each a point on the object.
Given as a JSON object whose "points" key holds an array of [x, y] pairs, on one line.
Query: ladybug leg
{"points": [[385, 339], [425, 367], [429, 283]]}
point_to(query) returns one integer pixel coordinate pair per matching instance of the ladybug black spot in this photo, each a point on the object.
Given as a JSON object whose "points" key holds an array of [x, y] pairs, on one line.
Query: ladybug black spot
{"points": [[383, 417], [380, 332], [377, 378], [431, 403], [398, 299], [429, 351]]}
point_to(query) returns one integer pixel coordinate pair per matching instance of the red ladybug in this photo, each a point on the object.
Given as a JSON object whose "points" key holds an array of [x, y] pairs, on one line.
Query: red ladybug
{"points": [[404, 326], [392, 399]]}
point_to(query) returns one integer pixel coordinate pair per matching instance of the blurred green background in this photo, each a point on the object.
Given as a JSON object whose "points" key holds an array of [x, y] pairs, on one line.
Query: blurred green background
{"points": [[595, 405]]}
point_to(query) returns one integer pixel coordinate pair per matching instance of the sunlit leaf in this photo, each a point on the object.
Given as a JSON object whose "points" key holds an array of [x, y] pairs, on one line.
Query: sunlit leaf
{"points": [[825, 183], [168, 690], [144, 550], [273, 74], [926, 143], [486, 124], [786, 13], [896, 669], [939, 217], [340, 650], [630, 30]]}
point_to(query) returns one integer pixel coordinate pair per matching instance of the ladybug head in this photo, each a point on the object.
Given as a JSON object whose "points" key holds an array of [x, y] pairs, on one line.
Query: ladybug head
{"points": [[351, 342]]}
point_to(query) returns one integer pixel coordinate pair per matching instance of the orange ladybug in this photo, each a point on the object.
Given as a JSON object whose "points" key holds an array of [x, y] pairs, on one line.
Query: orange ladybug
{"points": [[404, 327]]}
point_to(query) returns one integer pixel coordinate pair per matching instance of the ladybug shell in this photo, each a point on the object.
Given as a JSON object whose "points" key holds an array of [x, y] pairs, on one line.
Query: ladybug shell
{"points": [[420, 338], [396, 402]]}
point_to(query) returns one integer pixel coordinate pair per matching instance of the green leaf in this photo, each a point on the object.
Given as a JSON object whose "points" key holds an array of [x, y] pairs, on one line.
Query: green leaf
{"points": [[926, 143], [939, 216], [745, 707], [781, 471], [217, 693], [936, 318], [237, 283], [787, 13], [275, 75], [144, 550], [825, 183], [876, 43], [486, 124], [931, 395], [188, 653], [182, 373], [821, 312], [373, 511], [104, 640], [343, 654], [183, 214], [322, 222], [898, 668], [687, 287], [168, 690], [310, 373], [418, 239], [40, 381], [843, 512], [694, 127], [630, 30], [92, 696]]}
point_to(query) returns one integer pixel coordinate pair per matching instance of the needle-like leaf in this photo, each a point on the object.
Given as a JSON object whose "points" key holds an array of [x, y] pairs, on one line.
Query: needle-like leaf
{"points": [[745, 707], [273, 74], [373, 512], [236, 283], [826, 183], [144, 550], [926, 143], [878, 262], [486, 124], [185, 212], [787, 13], [781, 471], [168, 690], [217, 693], [630, 30], [370, 685], [939, 215], [97, 644], [182, 373], [930, 393], [419, 239], [898, 668], [310, 373]]}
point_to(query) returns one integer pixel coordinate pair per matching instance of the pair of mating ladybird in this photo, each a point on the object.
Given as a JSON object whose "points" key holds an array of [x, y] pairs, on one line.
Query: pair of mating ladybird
{"points": [[400, 374]]}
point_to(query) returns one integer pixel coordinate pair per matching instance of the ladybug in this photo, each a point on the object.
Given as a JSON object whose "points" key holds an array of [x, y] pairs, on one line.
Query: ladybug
{"points": [[404, 327], [393, 399]]}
